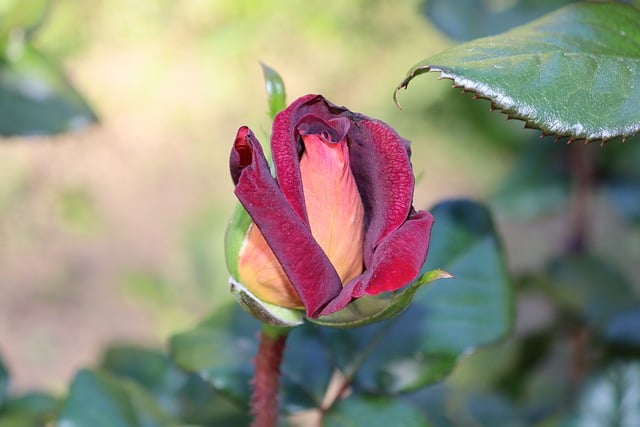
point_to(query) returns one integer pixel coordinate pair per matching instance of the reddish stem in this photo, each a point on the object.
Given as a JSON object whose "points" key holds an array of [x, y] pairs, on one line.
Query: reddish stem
{"points": [[266, 379]]}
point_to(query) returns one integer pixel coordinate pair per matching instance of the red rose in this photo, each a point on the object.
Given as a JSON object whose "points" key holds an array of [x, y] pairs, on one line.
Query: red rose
{"points": [[337, 221]]}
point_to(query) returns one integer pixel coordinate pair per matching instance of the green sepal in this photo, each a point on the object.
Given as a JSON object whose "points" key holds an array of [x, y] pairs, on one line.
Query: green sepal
{"points": [[269, 314], [276, 95], [370, 309], [234, 238]]}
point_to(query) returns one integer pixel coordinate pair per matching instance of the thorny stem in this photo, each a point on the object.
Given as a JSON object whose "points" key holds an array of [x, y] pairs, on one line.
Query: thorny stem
{"points": [[266, 379], [582, 171], [581, 164]]}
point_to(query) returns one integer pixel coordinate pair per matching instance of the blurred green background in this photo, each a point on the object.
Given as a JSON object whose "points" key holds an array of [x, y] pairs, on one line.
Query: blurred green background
{"points": [[116, 232]]}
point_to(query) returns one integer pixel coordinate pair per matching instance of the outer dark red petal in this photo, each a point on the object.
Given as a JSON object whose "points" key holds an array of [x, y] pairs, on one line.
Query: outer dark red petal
{"points": [[382, 169], [288, 235], [395, 263]]}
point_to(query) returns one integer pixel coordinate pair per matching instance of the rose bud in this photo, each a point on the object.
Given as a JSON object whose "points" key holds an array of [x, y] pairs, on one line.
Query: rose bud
{"points": [[335, 224]]}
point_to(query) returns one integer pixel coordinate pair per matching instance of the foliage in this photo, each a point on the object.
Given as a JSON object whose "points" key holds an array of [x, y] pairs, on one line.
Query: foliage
{"points": [[463, 352], [35, 96], [551, 72]]}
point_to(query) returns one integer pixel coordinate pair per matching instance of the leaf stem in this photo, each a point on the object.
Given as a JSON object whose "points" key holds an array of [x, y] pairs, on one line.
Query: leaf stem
{"points": [[266, 379]]}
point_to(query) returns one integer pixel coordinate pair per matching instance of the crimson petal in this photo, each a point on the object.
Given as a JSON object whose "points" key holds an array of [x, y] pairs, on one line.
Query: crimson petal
{"points": [[395, 263], [302, 259]]}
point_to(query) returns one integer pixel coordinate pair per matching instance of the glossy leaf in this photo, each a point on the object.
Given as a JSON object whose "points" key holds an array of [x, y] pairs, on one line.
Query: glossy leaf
{"points": [[274, 86], [36, 98], [374, 412], [464, 20], [551, 72], [98, 399], [446, 319], [611, 399]]}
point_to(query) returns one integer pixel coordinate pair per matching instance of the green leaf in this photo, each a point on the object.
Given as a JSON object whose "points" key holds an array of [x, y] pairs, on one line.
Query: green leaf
{"points": [[469, 19], [20, 17], [552, 72], [220, 350], [186, 397], [612, 399], [367, 411], [274, 86], [4, 383], [446, 320], [36, 98], [33, 409], [98, 399]]}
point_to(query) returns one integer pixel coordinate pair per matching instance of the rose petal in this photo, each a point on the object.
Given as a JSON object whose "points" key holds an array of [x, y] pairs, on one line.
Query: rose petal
{"points": [[302, 259], [382, 169], [396, 262]]}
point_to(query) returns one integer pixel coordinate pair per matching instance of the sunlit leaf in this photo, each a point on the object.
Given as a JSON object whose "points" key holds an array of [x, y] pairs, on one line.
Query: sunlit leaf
{"points": [[552, 72]]}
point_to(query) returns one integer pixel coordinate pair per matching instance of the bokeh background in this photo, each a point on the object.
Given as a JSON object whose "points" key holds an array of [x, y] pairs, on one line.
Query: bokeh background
{"points": [[115, 233]]}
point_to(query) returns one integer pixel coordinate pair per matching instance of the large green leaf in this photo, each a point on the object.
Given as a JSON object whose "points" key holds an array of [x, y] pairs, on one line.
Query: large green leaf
{"points": [[446, 319], [36, 98], [98, 399], [572, 73]]}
